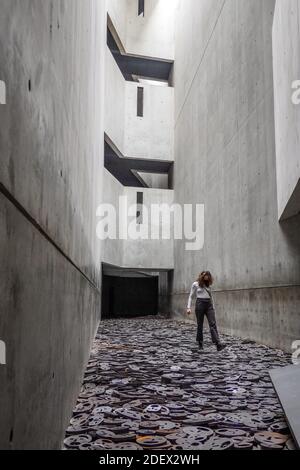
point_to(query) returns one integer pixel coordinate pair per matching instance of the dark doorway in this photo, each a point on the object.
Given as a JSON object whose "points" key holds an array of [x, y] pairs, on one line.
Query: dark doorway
{"points": [[129, 296]]}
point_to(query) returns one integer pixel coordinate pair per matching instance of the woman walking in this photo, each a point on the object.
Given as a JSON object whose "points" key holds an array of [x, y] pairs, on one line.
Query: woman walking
{"points": [[205, 307]]}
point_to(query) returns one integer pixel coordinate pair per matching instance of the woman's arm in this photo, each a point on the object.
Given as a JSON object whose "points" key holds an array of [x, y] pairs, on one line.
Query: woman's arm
{"points": [[192, 295]]}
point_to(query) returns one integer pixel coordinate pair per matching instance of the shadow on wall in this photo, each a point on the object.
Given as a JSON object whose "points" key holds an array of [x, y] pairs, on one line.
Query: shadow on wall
{"points": [[291, 230]]}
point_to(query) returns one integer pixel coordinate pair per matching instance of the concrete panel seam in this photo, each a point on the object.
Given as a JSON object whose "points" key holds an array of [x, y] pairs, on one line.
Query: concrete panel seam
{"points": [[285, 286], [200, 63], [5, 192], [249, 116]]}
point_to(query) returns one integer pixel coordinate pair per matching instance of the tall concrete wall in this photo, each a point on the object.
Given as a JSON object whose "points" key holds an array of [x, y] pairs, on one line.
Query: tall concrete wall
{"points": [[127, 252], [151, 35], [225, 158], [150, 136], [117, 11], [114, 102], [51, 146], [286, 60], [150, 253], [112, 250]]}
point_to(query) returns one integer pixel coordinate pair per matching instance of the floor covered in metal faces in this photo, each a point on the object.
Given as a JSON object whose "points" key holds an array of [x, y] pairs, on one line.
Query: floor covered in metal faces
{"points": [[148, 387]]}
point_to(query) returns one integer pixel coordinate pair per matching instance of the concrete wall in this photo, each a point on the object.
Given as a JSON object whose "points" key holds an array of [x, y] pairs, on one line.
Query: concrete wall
{"points": [[150, 136], [286, 61], [117, 11], [152, 35], [225, 158], [114, 101], [164, 294], [51, 146], [148, 253], [143, 253], [194, 25], [112, 250]]}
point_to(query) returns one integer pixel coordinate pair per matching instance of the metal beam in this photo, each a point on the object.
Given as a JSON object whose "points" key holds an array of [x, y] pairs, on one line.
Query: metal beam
{"points": [[124, 169]]}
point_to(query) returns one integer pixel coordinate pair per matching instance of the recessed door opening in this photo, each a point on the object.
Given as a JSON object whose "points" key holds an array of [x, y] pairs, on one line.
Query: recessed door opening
{"points": [[129, 297]]}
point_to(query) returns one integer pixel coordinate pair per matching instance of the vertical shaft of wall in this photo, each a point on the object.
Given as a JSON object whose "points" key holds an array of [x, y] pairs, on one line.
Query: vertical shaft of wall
{"points": [[225, 124], [52, 62], [146, 137]]}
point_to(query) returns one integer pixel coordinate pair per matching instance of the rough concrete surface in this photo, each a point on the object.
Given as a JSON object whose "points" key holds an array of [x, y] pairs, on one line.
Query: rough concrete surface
{"points": [[286, 62], [225, 125], [51, 147]]}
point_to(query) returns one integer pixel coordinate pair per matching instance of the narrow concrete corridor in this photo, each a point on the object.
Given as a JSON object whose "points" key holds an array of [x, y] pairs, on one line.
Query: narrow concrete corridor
{"points": [[148, 387], [143, 145]]}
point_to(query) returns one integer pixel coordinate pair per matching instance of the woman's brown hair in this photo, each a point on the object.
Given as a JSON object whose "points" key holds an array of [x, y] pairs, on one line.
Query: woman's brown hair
{"points": [[202, 282]]}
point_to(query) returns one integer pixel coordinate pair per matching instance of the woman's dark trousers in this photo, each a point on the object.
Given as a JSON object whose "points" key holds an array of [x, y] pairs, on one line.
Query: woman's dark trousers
{"points": [[206, 308]]}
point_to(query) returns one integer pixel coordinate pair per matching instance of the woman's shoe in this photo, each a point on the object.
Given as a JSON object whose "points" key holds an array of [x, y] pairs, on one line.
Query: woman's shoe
{"points": [[201, 347], [220, 347]]}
